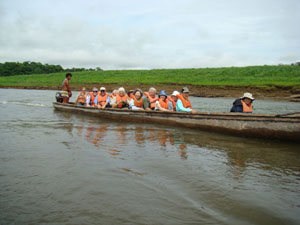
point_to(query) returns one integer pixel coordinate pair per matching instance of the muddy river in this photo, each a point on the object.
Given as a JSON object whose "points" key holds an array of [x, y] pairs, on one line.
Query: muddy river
{"points": [[62, 168]]}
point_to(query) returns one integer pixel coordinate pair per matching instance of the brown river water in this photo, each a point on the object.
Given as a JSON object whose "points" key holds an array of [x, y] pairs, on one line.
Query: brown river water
{"points": [[63, 168]]}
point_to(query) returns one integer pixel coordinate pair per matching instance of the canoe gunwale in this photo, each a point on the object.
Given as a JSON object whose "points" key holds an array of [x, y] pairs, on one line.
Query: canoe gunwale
{"points": [[198, 115], [267, 126]]}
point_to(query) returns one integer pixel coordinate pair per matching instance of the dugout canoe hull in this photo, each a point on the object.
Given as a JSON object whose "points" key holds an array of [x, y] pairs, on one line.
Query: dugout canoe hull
{"points": [[280, 127]]}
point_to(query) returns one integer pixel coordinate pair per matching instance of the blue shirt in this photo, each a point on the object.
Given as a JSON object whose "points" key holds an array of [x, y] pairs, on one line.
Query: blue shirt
{"points": [[180, 107], [96, 100]]}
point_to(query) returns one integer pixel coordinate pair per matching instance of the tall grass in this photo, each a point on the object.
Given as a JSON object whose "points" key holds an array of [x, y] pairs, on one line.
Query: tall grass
{"points": [[259, 76]]}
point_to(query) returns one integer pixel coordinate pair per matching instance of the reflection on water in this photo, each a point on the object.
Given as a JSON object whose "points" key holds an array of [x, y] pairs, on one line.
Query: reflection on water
{"points": [[63, 168], [114, 138], [240, 152]]}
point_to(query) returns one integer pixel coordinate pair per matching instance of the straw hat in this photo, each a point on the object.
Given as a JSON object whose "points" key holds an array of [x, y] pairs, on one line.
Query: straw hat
{"points": [[248, 95]]}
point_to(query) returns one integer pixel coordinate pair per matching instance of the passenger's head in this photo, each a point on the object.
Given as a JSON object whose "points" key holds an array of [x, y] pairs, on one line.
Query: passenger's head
{"points": [[115, 92], [247, 98], [152, 92], [162, 95], [247, 101], [95, 91], [130, 92], [68, 76], [83, 89], [174, 95], [185, 92], [103, 91], [138, 93], [121, 91]]}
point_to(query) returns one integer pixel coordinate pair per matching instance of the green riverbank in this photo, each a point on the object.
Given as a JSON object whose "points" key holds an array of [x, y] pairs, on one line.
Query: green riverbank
{"points": [[265, 78]]}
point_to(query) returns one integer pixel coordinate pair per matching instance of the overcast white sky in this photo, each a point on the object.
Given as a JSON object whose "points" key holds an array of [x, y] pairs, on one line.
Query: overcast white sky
{"points": [[132, 34]]}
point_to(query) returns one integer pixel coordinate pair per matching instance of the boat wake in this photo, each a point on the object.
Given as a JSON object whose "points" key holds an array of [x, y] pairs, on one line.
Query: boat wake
{"points": [[23, 103]]}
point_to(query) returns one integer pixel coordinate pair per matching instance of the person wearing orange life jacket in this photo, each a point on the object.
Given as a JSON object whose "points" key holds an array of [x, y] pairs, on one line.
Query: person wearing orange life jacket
{"points": [[243, 104], [137, 100], [81, 97], [183, 103], [162, 104], [103, 100], [121, 100], [130, 95], [150, 99], [113, 95], [172, 100], [92, 98]]}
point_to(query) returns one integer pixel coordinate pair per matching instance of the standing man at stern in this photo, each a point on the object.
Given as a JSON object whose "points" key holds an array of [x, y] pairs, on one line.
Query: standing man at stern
{"points": [[66, 90]]}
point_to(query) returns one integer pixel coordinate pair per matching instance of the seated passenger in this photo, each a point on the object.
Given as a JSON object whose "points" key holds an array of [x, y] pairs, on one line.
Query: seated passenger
{"points": [[121, 100], [130, 94], [81, 97], [92, 99], [243, 104], [113, 94], [172, 100], [150, 99], [183, 103], [162, 104], [103, 99], [137, 101]]}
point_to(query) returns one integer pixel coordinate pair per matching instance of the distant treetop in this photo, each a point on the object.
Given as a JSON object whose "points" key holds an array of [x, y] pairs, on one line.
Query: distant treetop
{"points": [[27, 67]]}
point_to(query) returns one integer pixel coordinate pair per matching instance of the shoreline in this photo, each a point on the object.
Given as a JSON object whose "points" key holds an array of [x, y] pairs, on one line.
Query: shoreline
{"points": [[273, 93]]}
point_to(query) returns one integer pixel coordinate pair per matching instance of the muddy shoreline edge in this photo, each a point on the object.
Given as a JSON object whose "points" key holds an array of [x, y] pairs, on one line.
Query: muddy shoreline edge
{"points": [[274, 93]]}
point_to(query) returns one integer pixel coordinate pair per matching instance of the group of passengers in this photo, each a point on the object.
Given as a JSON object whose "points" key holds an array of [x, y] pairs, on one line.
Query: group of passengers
{"points": [[139, 100], [136, 99]]}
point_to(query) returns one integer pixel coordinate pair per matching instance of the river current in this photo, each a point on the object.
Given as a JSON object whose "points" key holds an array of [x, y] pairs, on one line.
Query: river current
{"points": [[64, 168]]}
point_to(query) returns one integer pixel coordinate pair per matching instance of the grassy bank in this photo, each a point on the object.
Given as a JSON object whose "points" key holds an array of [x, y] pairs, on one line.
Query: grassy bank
{"points": [[255, 76]]}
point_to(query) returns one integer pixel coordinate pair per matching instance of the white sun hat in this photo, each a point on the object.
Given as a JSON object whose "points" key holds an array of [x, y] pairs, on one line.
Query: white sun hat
{"points": [[248, 95], [175, 93], [121, 89]]}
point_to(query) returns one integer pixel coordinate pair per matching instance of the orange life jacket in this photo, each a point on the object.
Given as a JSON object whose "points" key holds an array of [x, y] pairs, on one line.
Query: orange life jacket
{"points": [[246, 108], [81, 97], [151, 100], [164, 104], [119, 98], [92, 99], [138, 103], [186, 103], [173, 103], [102, 99]]}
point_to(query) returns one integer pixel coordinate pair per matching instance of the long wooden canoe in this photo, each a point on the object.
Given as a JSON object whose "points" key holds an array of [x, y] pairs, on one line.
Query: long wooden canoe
{"points": [[281, 127]]}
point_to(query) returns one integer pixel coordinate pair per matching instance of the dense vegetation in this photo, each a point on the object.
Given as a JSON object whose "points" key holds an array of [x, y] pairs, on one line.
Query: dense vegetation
{"points": [[17, 68], [260, 76]]}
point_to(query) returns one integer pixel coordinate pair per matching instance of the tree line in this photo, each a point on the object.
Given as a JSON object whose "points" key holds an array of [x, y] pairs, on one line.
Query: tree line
{"points": [[21, 68], [28, 67]]}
